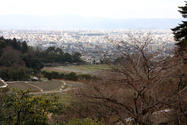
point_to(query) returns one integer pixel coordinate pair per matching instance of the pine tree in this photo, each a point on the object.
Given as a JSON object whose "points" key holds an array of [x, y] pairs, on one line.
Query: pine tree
{"points": [[180, 31]]}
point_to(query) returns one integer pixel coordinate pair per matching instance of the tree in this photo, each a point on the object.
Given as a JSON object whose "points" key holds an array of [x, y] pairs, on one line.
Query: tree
{"points": [[19, 46], [10, 57], [50, 49], [18, 107], [28, 58], [59, 51], [180, 32], [15, 44], [140, 85], [25, 47], [76, 57], [67, 57], [2, 45], [36, 64], [52, 57]]}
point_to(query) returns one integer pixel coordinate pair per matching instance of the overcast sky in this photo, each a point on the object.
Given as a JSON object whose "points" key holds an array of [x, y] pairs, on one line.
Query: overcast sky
{"points": [[96, 8]]}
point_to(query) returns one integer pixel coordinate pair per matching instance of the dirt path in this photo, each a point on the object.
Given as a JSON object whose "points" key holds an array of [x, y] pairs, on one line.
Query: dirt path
{"points": [[34, 86], [47, 92]]}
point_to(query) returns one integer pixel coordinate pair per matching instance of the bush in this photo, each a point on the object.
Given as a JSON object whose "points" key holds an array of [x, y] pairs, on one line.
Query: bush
{"points": [[15, 74], [86, 121]]}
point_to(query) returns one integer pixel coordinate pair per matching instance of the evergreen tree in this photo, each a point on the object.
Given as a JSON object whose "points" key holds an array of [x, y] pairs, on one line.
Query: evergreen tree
{"points": [[15, 44], [19, 45], [2, 45], [180, 31], [25, 47]]}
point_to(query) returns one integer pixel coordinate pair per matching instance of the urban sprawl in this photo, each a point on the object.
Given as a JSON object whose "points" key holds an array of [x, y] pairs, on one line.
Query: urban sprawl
{"points": [[92, 44]]}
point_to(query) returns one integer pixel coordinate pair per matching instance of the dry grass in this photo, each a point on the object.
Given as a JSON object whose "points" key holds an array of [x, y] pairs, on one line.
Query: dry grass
{"points": [[83, 69], [48, 85], [22, 85]]}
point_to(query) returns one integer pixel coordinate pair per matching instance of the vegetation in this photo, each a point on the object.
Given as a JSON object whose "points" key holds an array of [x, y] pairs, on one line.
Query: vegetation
{"points": [[37, 85], [14, 74], [139, 88], [79, 69], [22, 108], [86, 121], [140, 85], [14, 55], [180, 31], [70, 76], [53, 54]]}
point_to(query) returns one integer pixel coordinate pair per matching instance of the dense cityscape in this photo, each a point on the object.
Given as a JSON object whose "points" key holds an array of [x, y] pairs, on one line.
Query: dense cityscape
{"points": [[91, 43]]}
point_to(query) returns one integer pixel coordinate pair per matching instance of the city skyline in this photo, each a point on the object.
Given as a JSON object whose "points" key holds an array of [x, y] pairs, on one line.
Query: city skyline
{"points": [[98, 8]]}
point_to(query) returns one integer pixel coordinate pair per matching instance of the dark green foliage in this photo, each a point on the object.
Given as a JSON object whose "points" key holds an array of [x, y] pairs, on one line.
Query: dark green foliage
{"points": [[2, 45], [67, 57], [50, 49], [52, 55], [25, 47], [19, 55], [55, 75], [76, 57], [19, 46], [49, 76], [14, 44], [14, 74], [59, 51], [180, 31], [36, 64], [73, 76], [70, 76]]}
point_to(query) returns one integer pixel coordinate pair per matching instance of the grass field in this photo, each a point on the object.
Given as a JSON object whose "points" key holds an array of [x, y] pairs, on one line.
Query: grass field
{"points": [[48, 85], [44, 85], [63, 98], [80, 69]]}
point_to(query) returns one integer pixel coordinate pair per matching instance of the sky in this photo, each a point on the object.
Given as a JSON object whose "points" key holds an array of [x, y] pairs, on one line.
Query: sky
{"points": [[95, 8]]}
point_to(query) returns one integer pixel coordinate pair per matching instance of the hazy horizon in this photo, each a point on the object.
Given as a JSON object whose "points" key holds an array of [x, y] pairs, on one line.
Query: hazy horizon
{"points": [[118, 9], [80, 22]]}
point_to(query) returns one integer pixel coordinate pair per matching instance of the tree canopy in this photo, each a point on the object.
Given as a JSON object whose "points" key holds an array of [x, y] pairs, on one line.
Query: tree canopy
{"points": [[180, 31], [18, 107]]}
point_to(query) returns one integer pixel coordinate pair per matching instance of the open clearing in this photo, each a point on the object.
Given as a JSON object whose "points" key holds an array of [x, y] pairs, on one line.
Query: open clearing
{"points": [[48, 85], [22, 85], [82, 69], [54, 85]]}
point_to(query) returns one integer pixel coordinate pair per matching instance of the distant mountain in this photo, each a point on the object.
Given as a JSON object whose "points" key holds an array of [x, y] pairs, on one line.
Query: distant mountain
{"points": [[79, 22]]}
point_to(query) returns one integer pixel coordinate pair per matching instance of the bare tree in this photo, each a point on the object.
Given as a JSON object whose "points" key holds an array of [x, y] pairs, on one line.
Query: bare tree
{"points": [[11, 57], [137, 87]]}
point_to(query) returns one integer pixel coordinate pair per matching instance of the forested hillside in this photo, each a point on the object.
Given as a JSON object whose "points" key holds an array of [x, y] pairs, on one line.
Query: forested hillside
{"points": [[18, 60]]}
